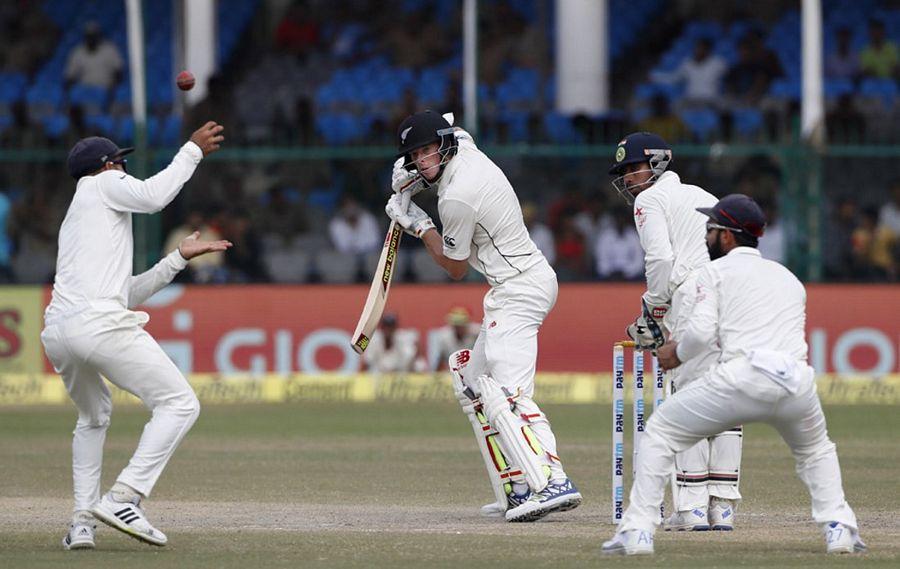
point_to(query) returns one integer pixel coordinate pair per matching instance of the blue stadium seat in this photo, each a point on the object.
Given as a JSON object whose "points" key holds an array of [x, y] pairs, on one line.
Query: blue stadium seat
{"points": [[701, 122], [12, 87], [92, 99], [747, 122], [785, 89], [55, 125], [103, 125], [883, 90], [559, 129]]}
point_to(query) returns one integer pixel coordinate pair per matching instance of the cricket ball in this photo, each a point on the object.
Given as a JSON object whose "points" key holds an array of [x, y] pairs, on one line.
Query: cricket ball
{"points": [[185, 81]]}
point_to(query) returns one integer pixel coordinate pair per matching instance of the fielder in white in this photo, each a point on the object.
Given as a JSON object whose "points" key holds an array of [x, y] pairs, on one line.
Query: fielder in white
{"points": [[756, 310], [494, 381], [706, 476], [90, 331]]}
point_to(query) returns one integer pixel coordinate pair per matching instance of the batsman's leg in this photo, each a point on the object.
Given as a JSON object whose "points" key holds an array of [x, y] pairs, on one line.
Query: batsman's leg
{"points": [[501, 474], [724, 478]]}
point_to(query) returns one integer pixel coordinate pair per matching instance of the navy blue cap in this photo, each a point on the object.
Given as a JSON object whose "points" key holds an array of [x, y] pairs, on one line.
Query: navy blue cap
{"points": [[738, 212], [641, 147], [91, 153]]}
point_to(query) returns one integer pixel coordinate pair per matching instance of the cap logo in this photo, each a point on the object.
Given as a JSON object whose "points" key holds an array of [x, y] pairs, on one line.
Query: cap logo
{"points": [[620, 154], [404, 134]]}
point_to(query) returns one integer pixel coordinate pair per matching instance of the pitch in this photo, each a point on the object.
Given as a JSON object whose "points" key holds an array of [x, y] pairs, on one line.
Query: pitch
{"points": [[392, 485]]}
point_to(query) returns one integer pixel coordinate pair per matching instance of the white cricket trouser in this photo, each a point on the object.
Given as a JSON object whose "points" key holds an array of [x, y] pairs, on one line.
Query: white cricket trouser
{"points": [[506, 347], [712, 466], [88, 344], [732, 393]]}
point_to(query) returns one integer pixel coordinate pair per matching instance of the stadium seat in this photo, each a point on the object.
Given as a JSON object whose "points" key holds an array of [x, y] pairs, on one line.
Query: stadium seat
{"points": [[288, 265], [747, 122], [701, 122], [882, 90], [90, 98], [425, 270], [334, 267]]}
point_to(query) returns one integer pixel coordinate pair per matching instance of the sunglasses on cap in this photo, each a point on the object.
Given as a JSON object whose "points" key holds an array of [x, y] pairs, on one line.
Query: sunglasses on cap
{"points": [[710, 226]]}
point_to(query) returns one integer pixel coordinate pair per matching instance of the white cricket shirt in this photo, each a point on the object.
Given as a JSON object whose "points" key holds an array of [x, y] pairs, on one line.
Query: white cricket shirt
{"points": [[746, 303], [672, 234], [96, 246], [481, 218]]}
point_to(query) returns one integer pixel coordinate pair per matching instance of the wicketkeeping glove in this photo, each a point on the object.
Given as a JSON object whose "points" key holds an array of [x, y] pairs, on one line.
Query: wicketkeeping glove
{"points": [[648, 330], [414, 220]]}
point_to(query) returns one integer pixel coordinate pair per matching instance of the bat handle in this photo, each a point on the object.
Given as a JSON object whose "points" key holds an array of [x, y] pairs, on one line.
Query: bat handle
{"points": [[405, 196]]}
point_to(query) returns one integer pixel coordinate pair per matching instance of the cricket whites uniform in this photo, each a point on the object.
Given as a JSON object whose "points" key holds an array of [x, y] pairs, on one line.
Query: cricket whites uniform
{"points": [[482, 223], [673, 236], [90, 330], [756, 310]]}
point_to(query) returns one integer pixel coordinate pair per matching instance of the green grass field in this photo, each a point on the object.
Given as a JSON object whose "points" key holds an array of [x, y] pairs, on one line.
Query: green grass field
{"points": [[391, 485]]}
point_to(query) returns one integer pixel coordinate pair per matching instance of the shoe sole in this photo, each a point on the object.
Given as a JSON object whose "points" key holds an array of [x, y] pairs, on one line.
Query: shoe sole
{"points": [[114, 523], [78, 545], [688, 528], [570, 503], [722, 528]]}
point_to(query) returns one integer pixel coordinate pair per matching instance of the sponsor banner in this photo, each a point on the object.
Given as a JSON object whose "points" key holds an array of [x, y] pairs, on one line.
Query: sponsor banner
{"points": [[289, 329], [21, 318], [40, 389]]}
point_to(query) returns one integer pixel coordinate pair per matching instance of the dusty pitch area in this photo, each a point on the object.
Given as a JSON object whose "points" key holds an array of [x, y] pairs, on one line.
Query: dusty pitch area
{"points": [[393, 486]]}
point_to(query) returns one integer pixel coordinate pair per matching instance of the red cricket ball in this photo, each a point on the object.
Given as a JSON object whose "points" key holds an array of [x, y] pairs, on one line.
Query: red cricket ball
{"points": [[185, 81]]}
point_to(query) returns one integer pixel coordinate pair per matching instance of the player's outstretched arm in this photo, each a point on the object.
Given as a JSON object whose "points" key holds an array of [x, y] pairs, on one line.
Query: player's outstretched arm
{"points": [[128, 194], [143, 286]]}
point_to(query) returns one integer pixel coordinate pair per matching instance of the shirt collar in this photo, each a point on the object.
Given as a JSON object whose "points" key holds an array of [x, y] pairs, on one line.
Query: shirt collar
{"points": [[743, 250]]}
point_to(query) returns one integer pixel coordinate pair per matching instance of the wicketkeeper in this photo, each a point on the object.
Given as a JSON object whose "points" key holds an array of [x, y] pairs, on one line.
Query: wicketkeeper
{"points": [[705, 487]]}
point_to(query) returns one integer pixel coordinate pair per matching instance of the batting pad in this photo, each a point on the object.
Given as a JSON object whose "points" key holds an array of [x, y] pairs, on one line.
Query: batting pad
{"points": [[516, 437], [499, 471]]}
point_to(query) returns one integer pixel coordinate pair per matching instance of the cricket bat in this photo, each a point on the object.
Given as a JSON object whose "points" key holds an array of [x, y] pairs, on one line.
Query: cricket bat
{"points": [[381, 285]]}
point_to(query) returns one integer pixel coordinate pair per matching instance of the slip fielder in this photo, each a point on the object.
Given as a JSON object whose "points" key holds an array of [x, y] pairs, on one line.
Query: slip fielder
{"points": [[90, 330]]}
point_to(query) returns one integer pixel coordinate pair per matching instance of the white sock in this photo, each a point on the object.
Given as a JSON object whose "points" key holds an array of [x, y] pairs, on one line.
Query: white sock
{"points": [[82, 517], [123, 492]]}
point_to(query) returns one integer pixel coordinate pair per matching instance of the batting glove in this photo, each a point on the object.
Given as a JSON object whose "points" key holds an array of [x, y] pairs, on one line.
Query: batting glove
{"points": [[414, 220], [402, 180]]}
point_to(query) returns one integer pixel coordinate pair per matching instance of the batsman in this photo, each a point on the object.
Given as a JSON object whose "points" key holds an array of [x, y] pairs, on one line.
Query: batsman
{"points": [[494, 381], [672, 234]]}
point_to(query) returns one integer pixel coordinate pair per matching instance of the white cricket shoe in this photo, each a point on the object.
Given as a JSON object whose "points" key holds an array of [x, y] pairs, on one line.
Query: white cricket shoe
{"points": [[721, 514], [558, 496], [129, 518], [493, 510], [688, 520], [842, 539], [498, 510], [80, 536], [631, 542]]}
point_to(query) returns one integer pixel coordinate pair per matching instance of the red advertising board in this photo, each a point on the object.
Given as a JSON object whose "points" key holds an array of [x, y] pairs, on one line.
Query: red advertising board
{"points": [[307, 328]]}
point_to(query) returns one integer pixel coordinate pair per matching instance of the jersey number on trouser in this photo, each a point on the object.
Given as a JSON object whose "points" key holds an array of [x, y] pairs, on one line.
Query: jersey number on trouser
{"points": [[87, 345]]}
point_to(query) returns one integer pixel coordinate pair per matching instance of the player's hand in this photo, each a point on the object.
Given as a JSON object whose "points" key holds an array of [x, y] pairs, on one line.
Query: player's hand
{"points": [[191, 246], [643, 337], [208, 137], [402, 180], [414, 220], [667, 356]]}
